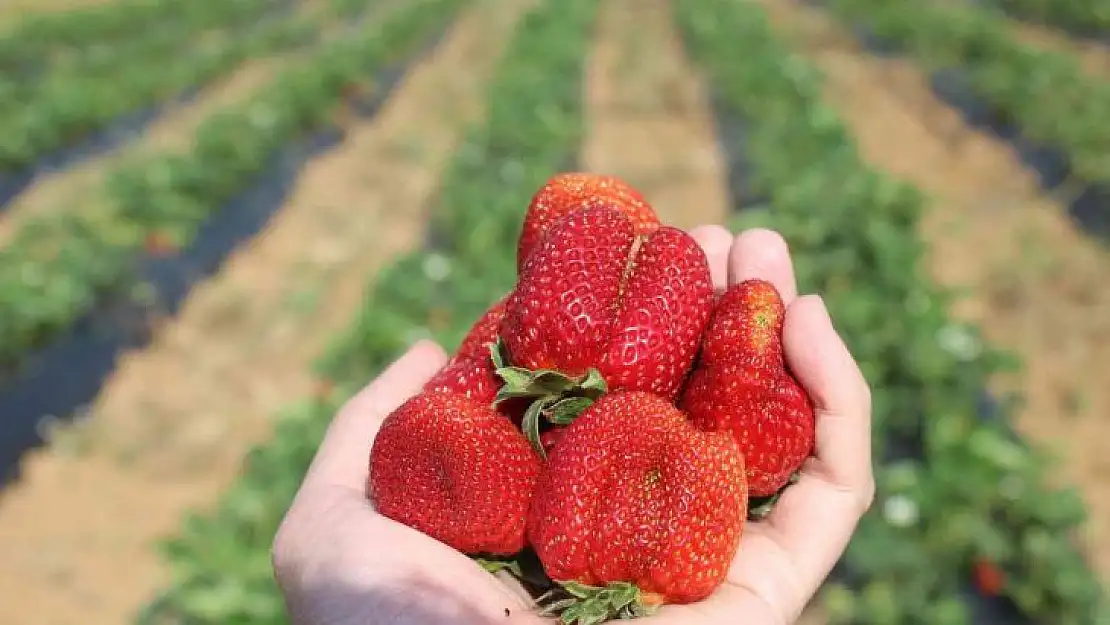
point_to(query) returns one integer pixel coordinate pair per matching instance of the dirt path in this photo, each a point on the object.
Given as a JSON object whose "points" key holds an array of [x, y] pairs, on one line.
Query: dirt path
{"points": [[1037, 286], [1094, 57], [81, 184], [13, 10], [648, 115], [170, 428]]}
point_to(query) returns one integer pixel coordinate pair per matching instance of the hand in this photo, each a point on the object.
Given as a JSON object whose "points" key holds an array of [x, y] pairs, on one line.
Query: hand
{"points": [[338, 562]]}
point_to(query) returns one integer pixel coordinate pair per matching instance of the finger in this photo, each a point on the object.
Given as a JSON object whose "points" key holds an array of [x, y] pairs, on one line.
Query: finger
{"points": [[842, 399], [764, 254], [343, 457], [716, 242]]}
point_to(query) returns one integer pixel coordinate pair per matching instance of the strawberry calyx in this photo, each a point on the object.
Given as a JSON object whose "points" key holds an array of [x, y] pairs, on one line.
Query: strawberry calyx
{"points": [[556, 397], [760, 507], [591, 605], [496, 565]]}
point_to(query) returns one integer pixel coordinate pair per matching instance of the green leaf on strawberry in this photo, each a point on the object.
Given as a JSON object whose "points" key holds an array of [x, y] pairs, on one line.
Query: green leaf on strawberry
{"points": [[498, 565], [521, 382], [760, 507], [590, 605], [566, 410], [557, 410], [557, 397]]}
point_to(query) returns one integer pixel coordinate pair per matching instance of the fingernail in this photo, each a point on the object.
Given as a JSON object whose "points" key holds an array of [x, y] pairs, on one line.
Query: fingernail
{"points": [[820, 301]]}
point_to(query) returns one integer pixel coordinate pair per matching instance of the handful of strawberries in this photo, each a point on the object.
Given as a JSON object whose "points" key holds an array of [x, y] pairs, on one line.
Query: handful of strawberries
{"points": [[611, 415]]}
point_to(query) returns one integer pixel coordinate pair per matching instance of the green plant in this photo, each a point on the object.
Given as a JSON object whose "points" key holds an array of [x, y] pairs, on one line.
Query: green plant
{"points": [[102, 84], [1079, 16], [1045, 93], [59, 265], [41, 40]]}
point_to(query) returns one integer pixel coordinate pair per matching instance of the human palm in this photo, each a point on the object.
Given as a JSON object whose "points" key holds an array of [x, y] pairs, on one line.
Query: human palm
{"points": [[339, 562]]}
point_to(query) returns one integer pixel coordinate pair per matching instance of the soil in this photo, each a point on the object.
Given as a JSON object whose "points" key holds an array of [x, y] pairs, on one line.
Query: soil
{"points": [[648, 115], [1093, 56], [1035, 284], [13, 10], [170, 428]]}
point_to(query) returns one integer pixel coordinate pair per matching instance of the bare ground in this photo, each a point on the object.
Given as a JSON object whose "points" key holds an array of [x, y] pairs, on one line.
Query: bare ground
{"points": [[13, 10], [169, 430], [1037, 285], [649, 117], [1094, 57]]}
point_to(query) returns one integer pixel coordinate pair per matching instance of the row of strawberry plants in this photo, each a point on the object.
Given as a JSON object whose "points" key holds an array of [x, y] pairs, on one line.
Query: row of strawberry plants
{"points": [[37, 39], [1085, 17], [58, 266], [76, 102], [955, 490], [533, 128], [102, 58], [1044, 93]]}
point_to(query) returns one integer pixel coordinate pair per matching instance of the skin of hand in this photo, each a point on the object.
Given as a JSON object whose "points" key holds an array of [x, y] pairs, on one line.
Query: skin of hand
{"points": [[338, 562]]}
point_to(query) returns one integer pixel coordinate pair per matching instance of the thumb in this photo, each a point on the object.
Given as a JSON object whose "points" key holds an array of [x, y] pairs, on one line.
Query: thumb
{"points": [[343, 456], [823, 365]]}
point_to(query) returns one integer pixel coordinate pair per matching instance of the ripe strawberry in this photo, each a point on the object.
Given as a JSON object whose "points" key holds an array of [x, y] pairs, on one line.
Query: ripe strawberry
{"points": [[456, 470], [475, 345], [989, 578], [597, 295], [565, 193], [470, 371], [159, 243], [742, 385], [633, 493]]}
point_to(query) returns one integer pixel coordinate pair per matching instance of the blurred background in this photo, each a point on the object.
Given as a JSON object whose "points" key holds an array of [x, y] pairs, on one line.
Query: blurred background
{"points": [[219, 218]]}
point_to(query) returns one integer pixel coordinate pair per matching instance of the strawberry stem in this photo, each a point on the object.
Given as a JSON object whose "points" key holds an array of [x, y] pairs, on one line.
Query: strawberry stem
{"points": [[557, 397], [591, 605]]}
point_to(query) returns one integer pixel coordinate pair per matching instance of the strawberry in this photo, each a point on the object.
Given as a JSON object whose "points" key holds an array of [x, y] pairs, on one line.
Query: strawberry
{"points": [[565, 193], [159, 244], [456, 470], [597, 296], [549, 438], [989, 578], [742, 385], [470, 371], [635, 499], [475, 345]]}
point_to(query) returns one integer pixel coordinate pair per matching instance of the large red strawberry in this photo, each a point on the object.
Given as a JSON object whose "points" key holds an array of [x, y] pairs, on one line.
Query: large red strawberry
{"points": [[470, 371], [567, 192], [455, 469], [633, 494], [596, 295], [743, 385]]}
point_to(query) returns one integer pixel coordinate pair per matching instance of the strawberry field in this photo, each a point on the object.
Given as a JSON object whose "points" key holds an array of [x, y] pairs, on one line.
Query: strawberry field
{"points": [[219, 219]]}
